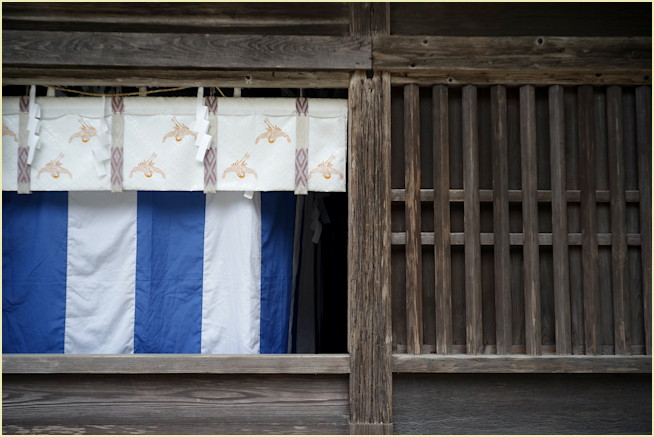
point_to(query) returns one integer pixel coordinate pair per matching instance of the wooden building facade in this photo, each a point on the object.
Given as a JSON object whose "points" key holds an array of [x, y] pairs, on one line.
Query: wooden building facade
{"points": [[499, 217]]}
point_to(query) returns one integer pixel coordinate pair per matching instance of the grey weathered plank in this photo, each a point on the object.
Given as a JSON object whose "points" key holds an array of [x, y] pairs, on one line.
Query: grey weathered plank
{"points": [[515, 239], [520, 364], [618, 220], [588, 220], [530, 219], [560, 222], [443, 259], [527, 77], [471, 221], [542, 196], [173, 78], [644, 140], [369, 248], [413, 216], [186, 51], [501, 220], [165, 363]]}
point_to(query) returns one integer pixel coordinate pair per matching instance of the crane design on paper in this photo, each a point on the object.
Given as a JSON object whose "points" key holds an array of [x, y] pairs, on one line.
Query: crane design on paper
{"points": [[272, 133], [240, 167], [326, 169], [179, 131], [7, 131], [147, 168], [55, 168], [86, 132]]}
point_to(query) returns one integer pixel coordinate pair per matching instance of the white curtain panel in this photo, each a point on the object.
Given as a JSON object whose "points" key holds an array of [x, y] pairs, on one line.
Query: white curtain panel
{"points": [[256, 144]]}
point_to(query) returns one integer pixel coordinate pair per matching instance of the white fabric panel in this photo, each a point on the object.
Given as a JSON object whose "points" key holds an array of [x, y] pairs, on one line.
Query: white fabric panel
{"points": [[327, 154], [232, 278], [101, 273], [256, 106], [10, 135], [65, 160]]}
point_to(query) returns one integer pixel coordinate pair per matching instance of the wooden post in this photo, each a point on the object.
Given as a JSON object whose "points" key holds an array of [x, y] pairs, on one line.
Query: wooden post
{"points": [[369, 236]]}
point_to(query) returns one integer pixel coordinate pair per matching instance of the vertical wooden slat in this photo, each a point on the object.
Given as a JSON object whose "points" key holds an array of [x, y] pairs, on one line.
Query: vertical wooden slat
{"points": [[559, 223], [590, 256], [471, 223], [618, 219], [644, 139], [413, 213], [442, 220], [503, 335], [530, 219]]}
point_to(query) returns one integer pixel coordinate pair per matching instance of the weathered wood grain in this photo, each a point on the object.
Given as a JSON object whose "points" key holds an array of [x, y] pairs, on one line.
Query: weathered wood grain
{"points": [[560, 222], [501, 220], [542, 196], [523, 404], [515, 239], [588, 220], [166, 363], [618, 220], [369, 248], [644, 140], [526, 77], [443, 259], [187, 17], [188, 51], [559, 56], [520, 364], [530, 219], [474, 334], [213, 404]]}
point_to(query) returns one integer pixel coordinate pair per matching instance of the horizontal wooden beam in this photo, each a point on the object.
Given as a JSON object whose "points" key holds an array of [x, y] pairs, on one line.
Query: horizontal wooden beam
{"points": [[520, 364], [558, 57], [188, 51], [525, 77], [427, 195], [174, 78], [515, 239], [164, 363]]}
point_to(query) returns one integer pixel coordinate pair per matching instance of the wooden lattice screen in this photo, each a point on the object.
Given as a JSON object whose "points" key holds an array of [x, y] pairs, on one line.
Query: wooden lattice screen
{"points": [[521, 220]]}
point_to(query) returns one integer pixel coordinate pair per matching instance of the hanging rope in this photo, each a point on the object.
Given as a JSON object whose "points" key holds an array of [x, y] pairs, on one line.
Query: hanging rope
{"points": [[137, 93]]}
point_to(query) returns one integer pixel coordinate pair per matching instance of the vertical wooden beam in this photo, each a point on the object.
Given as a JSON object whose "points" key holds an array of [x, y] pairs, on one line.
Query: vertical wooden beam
{"points": [[413, 226], [589, 249], [530, 219], [503, 318], [560, 223], [644, 139], [369, 235], [618, 220], [442, 254], [471, 225]]}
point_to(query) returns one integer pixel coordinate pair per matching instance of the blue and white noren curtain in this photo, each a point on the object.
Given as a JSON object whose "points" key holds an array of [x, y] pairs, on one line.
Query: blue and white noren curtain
{"points": [[146, 272]]}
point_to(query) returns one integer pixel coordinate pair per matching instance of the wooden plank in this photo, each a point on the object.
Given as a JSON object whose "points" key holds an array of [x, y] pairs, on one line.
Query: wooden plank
{"points": [[560, 223], [618, 220], [515, 239], [186, 51], [169, 363], [526, 77], [530, 219], [520, 364], [503, 322], [192, 17], [441, 192], [588, 219], [227, 403], [560, 56], [471, 221], [369, 281], [644, 140], [173, 78], [542, 196], [413, 214], [371, 429]]}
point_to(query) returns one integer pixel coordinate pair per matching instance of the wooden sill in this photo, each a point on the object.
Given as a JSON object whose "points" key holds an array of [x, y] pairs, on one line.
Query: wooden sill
{"points": [[404, 363], [175, 364]]}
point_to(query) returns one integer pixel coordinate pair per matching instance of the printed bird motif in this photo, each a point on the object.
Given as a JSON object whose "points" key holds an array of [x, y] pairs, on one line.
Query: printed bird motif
{"points": [[326, 169], [272, 133], [147, 168], [7, 131], [86, 132], [240, 168], [55, 168], [179, 132]]}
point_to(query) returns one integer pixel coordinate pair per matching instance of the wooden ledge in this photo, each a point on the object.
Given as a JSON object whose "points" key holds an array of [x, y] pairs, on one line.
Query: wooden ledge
{"points": [[175, 364], [403, 363]]}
